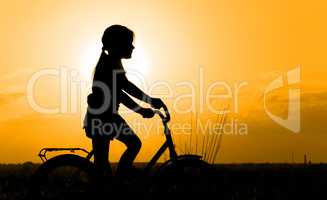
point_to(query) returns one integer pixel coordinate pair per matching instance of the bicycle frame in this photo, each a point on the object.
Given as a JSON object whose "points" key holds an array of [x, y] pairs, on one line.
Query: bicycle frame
{"points": [[168, 144]]}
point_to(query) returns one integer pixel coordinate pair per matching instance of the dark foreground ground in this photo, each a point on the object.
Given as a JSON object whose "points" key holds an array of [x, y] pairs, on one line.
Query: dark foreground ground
{"points": [[229, 181]]}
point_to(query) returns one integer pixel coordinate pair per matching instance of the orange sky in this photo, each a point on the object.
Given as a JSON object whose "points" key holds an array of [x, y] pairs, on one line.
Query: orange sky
{"points": [[177, 42]]}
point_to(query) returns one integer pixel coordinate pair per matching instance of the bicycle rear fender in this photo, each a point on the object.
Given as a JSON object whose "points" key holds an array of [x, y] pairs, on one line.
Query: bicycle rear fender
{"points": [[63, 160]]}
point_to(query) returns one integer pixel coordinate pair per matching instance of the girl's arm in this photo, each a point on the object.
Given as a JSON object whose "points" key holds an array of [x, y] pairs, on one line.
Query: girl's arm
{"points": [[131, 104], [136, 92]]}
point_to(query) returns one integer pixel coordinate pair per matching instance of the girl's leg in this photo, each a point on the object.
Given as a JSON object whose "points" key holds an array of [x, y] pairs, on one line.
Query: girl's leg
{"points": [[101, 154], [133, 144]]}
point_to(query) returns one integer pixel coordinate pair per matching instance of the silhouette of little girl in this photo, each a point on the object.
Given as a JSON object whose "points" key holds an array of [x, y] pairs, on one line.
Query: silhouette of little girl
{"points": [[110, 88]]}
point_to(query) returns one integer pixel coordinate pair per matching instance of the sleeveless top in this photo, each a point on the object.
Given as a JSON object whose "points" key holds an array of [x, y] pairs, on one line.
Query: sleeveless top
{"points": [[103, 103]]}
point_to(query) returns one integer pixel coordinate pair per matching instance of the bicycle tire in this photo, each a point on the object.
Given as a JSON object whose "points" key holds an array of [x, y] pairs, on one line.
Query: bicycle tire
{"points": [[43, 173], [188, 174]]}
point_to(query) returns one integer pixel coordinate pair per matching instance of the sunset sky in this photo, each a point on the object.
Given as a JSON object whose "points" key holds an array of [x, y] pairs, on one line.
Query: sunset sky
{"points": [[182, 48]]}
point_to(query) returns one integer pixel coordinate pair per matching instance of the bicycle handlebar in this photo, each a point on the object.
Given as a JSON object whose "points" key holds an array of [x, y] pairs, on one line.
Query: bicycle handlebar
{"points": [[165, 117]]}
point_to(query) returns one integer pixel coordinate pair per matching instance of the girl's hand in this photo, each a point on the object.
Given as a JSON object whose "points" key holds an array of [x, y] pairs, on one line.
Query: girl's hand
{"points": [[146, 112]]}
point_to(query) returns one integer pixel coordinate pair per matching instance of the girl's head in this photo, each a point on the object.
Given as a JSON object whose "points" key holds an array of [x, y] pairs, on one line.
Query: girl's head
{"points": [[118, 41]]}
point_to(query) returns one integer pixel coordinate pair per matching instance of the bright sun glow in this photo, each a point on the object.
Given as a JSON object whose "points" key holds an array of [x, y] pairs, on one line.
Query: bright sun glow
{"points": [[88, 60], [138, 64]]}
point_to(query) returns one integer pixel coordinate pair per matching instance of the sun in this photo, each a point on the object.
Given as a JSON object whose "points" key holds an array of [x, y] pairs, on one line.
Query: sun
{"points": [[137, 65], [88, 60]]}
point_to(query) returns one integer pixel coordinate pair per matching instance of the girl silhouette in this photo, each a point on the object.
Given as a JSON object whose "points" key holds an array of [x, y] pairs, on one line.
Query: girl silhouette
{"points": [[110, 88]]}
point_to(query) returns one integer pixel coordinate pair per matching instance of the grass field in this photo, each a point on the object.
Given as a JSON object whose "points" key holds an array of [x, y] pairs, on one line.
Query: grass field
{"points": [[229, 181]]}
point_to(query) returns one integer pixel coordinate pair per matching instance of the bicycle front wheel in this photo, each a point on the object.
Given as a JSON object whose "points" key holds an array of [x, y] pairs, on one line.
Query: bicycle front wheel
{"points": [[187, 175]]}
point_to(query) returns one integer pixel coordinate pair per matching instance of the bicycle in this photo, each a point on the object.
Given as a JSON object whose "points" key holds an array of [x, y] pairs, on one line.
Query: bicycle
{"points": [[176, 174]]}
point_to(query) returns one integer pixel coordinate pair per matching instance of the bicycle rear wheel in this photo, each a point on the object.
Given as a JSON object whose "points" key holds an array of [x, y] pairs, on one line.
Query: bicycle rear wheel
{"points": [[63, 177]]}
